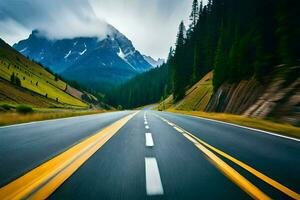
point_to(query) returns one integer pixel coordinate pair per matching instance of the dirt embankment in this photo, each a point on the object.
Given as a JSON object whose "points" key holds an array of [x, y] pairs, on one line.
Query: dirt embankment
{"points": [[276, 99], [235, 98]]}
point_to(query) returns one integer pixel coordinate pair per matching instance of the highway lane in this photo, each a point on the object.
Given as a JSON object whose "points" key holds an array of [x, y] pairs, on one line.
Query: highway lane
{"points": [[117, 170], [25, 146], [274, 156], [153, 156]]}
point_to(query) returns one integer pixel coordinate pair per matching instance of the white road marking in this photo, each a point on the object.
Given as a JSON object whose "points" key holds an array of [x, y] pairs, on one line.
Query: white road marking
{"points": [[153, 181], [147, 127], [149, 140], [145, 122], [245, 127]]}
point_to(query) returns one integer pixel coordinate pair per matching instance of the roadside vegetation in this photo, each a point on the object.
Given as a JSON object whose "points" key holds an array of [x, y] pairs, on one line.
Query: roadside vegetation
{"points": [[24, 113]]}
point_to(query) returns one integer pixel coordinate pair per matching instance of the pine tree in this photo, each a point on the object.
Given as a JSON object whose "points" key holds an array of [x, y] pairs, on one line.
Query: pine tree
{"points": [[178, 66], [220, 64], [200, 9], [194, 16]]}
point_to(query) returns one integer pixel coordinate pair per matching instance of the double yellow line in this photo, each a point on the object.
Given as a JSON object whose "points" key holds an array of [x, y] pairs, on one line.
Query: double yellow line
{"points": [[42, 181], [231, 173]]}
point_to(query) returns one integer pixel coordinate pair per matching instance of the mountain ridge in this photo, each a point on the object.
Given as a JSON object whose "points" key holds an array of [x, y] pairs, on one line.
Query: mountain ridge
{"points": [[87, 60], [153, 62]]}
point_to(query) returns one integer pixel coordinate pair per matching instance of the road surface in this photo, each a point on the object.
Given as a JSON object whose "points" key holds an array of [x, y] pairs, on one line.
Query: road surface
{"points": [[146, 155]]}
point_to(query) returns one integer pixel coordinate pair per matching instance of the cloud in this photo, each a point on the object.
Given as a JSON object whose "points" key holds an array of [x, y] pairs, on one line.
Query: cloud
{"points": [[151, 25], [12, 31], [56, 19]]}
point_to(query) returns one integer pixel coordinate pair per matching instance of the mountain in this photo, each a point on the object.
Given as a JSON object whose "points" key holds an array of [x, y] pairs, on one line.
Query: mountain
{"points": [[153, 62], [25, 82], [87, 60]]}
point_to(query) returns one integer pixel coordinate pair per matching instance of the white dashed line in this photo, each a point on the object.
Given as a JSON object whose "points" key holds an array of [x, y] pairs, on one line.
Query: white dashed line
{"points": [[145, 122], [149, 140], [147, 127], [153, 181]]}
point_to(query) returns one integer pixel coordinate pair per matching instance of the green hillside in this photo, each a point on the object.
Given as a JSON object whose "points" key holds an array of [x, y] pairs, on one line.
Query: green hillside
{"points": [[196, 98], [31, 76]]}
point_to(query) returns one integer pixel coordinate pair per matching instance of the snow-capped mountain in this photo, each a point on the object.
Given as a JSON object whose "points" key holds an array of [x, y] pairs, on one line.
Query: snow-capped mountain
{"points": [[153, 62], [87, 59]]}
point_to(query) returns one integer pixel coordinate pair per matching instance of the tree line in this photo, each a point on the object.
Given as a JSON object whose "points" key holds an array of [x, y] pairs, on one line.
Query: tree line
{"points": [[236, 39], [146, 88]]}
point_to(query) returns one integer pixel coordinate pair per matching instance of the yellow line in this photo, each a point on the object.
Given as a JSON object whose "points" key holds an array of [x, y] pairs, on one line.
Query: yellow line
{"points": [[40, 182], [253, 171], [242, 182]]}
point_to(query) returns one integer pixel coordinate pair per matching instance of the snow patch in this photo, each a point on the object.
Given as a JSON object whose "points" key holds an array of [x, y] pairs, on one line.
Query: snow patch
{"points": [[123, 57], [67, 55], [121, 54], [85, 49], [81, 53], [23, 50]]}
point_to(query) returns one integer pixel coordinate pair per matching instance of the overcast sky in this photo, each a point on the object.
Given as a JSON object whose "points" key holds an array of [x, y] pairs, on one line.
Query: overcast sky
{"points": [[150, 24]]}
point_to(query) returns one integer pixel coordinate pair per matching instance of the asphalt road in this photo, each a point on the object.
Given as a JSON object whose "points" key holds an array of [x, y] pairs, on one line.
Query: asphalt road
{"points": [[150, 159], [23, 147]]}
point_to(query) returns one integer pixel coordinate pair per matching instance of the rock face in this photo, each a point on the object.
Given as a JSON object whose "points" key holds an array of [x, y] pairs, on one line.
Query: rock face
{"points": [[235, 98], [278, 101], [277, 98], [87, 59]]}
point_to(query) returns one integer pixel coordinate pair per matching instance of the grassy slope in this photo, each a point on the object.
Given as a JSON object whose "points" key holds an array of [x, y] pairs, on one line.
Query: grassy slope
{"points": [[13, 95], [30, 73], [197, 98]]}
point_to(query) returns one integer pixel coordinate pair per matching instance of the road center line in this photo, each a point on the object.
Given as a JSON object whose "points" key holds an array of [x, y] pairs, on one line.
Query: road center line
{"points": [[250, 169], [149, 140], [153, 181], [147, 127], [232, 174], [178, 129], [190, 138]]}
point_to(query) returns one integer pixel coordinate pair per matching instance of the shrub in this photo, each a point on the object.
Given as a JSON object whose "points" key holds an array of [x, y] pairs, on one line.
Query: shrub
{"points": [[6, 106], [15, 80], [24, 109]]}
